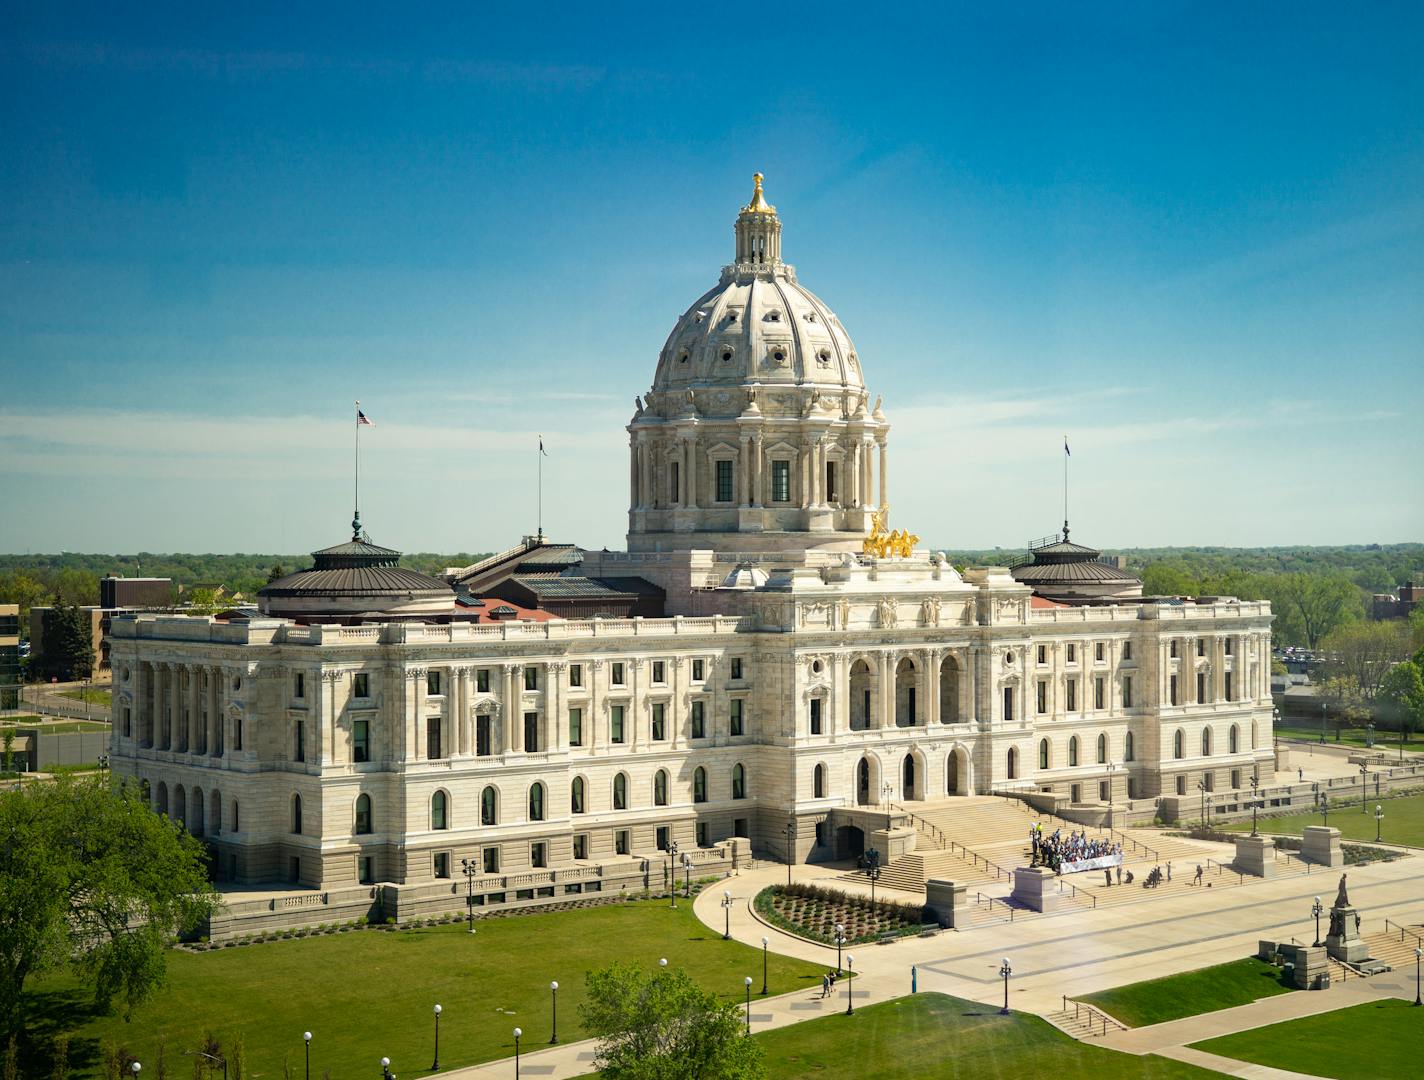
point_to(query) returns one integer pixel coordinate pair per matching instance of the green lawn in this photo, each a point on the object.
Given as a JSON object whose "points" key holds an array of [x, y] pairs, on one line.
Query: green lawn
{"points": [[1403, 821], [1190, 993], [1384, 740], [1379, 1040], [93, 697], [936, 1037], [368, 994], [59, 727]]}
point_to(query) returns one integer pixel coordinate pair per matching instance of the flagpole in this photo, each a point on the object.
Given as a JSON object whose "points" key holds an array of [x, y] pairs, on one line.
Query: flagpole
{"points": [[1065, 487], [356, 520], [539, 534]]}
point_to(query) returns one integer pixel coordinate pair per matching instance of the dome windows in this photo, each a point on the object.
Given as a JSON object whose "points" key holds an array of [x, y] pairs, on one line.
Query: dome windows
{"points": [[823, 358], [727, 353], [683, 356], [773, 316]]}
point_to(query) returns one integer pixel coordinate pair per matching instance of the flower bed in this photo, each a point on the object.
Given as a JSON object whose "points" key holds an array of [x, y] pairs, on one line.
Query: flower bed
{"points": [[812, 911]]}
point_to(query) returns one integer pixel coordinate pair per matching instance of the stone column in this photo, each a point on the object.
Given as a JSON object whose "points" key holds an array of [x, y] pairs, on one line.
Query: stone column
{"points": [[198, 722], [887, 689], [931, 694], [852, 470], [838, 708], [633, 472], [637, 739], [596, 725], [744, 472], [884, 471], [675, 717], [689, 471], [555, 724], [758, 470], [513, 709]]}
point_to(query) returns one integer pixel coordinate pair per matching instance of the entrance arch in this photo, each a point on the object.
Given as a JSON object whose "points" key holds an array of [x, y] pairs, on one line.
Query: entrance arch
{"points": [[959, 778], [865, 780], [907, 678], [908, 776], [949, 691], [862, 695]]}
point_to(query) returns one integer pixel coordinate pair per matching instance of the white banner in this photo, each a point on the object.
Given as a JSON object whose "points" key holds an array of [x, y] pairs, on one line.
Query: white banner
{"points": [[1101, 862]]}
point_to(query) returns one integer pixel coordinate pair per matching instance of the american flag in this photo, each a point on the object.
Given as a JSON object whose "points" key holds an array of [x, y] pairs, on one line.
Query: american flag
{"points": [[361, 419]]}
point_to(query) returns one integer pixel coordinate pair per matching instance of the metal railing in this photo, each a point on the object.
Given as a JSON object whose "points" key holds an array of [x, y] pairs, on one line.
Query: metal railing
{"points": [[953, 846], [1093, 1015], [1023, 805], [1418, 939], [980, 898], [1075, 891]]}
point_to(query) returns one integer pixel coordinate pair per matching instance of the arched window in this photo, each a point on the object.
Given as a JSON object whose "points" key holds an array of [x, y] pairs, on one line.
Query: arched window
{"points": [[1206, 742], [818, 782], [699, 784], [1128, 753], [489, 807], [739, 781], [576, 795], [1102, 749], [1073, 751], [660, 788], [439, 810], [363, 815], [296, 813], [1179, 745], [536, 803], [1013, 764], [1043, 758], [215, 814], [1234, 739], [620, 792], [161, 802]]}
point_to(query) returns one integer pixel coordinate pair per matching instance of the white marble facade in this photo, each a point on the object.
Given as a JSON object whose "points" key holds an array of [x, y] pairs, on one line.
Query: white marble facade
{"points": [[791, 679]]}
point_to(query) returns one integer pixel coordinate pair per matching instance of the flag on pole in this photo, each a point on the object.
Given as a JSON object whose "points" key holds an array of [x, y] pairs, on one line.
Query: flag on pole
{"points": [[361, 419], [1065, 446], [541, 446]]}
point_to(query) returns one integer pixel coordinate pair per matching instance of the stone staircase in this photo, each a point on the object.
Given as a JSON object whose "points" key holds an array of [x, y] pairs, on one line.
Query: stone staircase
{"points": [[1083, 1021], [1396, 947]]}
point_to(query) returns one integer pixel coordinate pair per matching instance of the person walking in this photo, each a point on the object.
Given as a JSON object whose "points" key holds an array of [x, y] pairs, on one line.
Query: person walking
{"points": [[1119, 873], [825, 985], [1198, 879], [1107, 876]]}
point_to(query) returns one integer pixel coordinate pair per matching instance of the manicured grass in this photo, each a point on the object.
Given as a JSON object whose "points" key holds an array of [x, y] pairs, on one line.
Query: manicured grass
{"points": [[59, 727], [369, 993], [94, 697], [1403, 821], [1379, 1040], [1384, 740], [1190, 993], [936, 1037]]}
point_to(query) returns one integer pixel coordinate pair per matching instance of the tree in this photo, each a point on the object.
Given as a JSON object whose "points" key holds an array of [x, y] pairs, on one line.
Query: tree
{"points": [[1366, 651], [67, 647], [74, 586], [1318, 603], [17, 587], [665, 1027], [92, 878], [1347, 702], [1401, 696], [277, 571], [207, 602], [1416, 627], [1166, 579]]}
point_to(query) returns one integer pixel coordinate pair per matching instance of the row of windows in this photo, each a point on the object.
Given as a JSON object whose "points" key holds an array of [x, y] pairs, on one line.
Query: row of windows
{"points": [[1045, 747], [1070, 694], [1100, 652]]}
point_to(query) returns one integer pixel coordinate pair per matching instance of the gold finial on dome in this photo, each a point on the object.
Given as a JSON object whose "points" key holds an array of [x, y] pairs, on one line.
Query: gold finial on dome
{"points": [[758, 205]]}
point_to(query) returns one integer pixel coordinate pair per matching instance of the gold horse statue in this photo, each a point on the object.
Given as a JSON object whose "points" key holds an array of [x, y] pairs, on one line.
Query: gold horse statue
{"points": [[885, 545]]}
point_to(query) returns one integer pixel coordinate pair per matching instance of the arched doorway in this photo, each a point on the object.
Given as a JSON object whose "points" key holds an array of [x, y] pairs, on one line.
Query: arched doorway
{"points": [[949, 691], [862, 696], [907, 678], [195, 816], [864, 786], [908, 790], [958, 780], [850, 842]]}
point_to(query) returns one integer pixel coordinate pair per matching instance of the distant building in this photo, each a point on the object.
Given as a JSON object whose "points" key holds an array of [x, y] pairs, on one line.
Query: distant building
{"points": [[135, 593], [9, 656], [1392, 606]]}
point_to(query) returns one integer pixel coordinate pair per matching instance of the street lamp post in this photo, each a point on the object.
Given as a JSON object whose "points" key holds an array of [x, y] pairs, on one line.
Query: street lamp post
{"points": [[436, 1064], [1418, 953], [386, 1073], [1323, 709], [1317, 909], [790, 848], [1112, 767], [727, 912], [470, 871], [672, 875], [687, 875], [306, 1043], [1379, 821], [103, 768], [517, 1033], [747, 982], [840, 941], [1255, 783], [1005, 971], [1201, 786], [872, 872], [1364, 787], [764, 944], [850, 974], [554, 1005], [136, 1067]]}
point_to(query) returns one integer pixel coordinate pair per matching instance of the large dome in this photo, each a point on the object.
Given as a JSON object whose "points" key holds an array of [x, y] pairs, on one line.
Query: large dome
{"points": [[354, 581]]}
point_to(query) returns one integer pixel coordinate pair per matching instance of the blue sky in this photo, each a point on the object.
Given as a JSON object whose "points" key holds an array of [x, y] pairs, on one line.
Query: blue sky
{"points": [[1189, 235]]}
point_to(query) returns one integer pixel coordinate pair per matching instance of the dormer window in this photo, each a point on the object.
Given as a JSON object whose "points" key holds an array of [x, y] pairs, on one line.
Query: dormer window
{"points": [[726, 355], [682, 357], [773, 316], [731, 316], [823, 358]]}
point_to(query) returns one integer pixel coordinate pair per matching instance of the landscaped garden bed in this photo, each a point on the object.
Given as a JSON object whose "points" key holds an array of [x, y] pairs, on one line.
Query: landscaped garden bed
{"points": [[814, 911]]}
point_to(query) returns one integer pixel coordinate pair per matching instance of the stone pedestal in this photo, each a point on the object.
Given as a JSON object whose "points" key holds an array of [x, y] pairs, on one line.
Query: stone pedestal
{"points": [[949, 902], [1344, 941], [1321, 846], [1312, 969], [1256, 855], [892, 843], [1036, 887]]}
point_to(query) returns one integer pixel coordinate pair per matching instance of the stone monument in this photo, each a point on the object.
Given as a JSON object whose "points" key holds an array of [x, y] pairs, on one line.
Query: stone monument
{"points": [[1344, 942], [1035, 887], [1256, 855], [1321, 845], [949, 902]]}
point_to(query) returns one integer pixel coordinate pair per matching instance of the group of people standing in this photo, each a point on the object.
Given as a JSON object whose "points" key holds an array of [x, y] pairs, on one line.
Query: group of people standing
{"points": [[1055, 849]]}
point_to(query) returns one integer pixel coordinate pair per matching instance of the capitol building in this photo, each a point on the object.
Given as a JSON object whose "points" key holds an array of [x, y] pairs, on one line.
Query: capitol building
{"points": [[769, 668]]}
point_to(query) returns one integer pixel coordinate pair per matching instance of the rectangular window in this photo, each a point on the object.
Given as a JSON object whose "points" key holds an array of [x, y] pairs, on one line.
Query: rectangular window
{"points": [[675, 484], [663, 838], [1104, 794], [1201, 687], [538, 855], [1235, 778], [299, 686], [1072, 689], [484, 735], [1174, 648], [580, 845], [1127, 650], [531, 733], [736, 667], [724, 481], [616, 678], [1099, 651], [531, 678], [490, 856], [576, 675], [1008, 704], [1181, 785], [368, 870], [699, 723], [1228, 686], [575, 727], [1201, 646], [830, 482], [301, 742], [1043, 654], [620, 842], [361, 685], [659, 671], [432, 683], [1227, 646], [815, 716], [442, 864], [1127, 692], [1209, 779], [1075, 792], [659, 722], [1072, 654], [739, 827], [734, 725], [237, 733], [704, 835], [1099, 693], [128, 722], [781, 481], [615, 724], [699, 668], [1131, 788], [1172, 690], [1042, 702], [432, 738], [482, 681]]}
